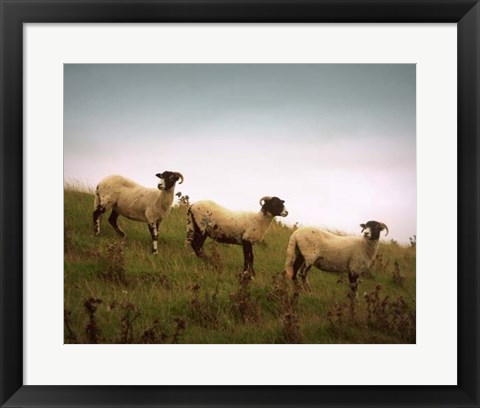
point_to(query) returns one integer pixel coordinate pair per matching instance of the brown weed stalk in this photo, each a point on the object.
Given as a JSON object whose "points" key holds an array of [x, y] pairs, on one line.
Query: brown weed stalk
{"points": [[286, 305], [126, 323], [71, 336], [398, 278], [244, 306], [337, 313], [291, 321], [392, 317], [353, 282], [154, 334], [115, 263], [379, 265], [92, 329], [180, 325], [205, 310]]}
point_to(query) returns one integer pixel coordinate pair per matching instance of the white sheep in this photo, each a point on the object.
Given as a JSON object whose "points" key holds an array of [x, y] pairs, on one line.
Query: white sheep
{"points": [[133, 201], [332, 253], [208, 219]]}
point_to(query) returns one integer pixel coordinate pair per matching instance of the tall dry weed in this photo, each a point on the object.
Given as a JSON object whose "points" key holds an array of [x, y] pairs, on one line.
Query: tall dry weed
{"points": [[180, 325], [353, 283], [130, 314], [156, 335], [114, 261], [392, 317], [244, 306], [286, 305], [92, 330], [379, 265], [398, 278], [205, 309], [71, 337], [340, 311]]}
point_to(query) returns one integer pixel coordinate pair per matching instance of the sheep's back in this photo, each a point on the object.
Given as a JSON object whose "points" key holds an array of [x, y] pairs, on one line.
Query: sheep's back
{"points": [[218, 222], [324, 249], [128, 197], [113, 185]]}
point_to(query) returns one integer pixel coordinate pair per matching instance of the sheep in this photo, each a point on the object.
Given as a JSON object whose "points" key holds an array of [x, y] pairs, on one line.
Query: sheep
{"points": [[133, 201], [208, 219], [329, 252]]}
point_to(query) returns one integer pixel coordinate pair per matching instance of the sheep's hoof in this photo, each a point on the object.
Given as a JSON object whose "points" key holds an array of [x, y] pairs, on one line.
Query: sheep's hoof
{"points": [[154, 252]]}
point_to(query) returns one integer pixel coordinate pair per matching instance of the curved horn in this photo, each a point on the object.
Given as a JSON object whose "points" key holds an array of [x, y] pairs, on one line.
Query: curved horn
{"points": [[179, 175], [265, 199], [385, 227]]}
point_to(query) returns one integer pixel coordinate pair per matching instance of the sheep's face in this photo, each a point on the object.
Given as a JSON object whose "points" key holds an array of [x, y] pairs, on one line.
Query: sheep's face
{"points": [[168, 179], [372, 229], [275, 206]]}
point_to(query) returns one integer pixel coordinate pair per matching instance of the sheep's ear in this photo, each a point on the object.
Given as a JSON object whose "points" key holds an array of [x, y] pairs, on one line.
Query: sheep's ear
{"points": [[363, 226], [159, 175]]}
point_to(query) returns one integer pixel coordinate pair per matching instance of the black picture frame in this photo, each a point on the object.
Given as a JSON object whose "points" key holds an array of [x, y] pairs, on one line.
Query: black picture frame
{"points": [[465, 13]]}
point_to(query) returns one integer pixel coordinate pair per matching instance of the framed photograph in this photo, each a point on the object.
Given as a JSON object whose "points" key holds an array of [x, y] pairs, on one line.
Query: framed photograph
{"points": [[249, 203]]}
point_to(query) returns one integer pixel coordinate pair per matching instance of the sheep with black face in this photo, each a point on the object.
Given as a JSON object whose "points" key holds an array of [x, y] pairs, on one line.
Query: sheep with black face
{"points": [[208, 219], [131, 200], [332, 253]]}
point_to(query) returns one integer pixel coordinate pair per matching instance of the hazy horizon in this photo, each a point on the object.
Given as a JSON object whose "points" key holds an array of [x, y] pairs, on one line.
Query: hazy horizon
{"points": [[335, 141]]}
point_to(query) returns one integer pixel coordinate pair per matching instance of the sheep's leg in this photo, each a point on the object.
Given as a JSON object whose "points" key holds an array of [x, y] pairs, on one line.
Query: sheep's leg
{"points": [[354, 282], [152, 226], [304, 273], [297, 264], [96, 219], [248, 257], [197, 243], [195, 237], [157, 225], [113, 220]]}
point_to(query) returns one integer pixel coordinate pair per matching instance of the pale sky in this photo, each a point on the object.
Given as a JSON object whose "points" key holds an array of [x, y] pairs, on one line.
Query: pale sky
{"points": [[335, 141]]}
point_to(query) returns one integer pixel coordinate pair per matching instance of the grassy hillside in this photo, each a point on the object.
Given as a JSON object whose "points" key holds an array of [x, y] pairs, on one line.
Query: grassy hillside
{"points": [[117, 292]]}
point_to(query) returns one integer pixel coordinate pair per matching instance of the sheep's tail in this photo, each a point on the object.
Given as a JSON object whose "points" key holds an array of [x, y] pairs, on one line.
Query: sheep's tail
{"points": [[292, 253], [191, 225]]}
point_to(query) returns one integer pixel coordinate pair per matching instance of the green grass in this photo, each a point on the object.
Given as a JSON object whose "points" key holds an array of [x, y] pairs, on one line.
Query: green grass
{"points": [[177, 297]]}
